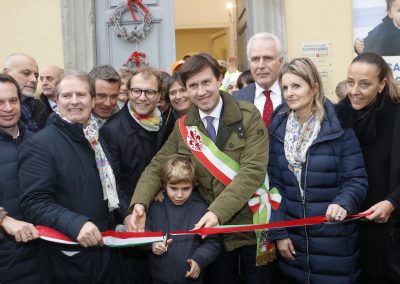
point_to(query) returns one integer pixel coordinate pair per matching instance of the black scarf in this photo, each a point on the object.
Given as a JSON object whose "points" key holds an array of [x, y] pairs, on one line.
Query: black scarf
{"points": [[362, 121]]}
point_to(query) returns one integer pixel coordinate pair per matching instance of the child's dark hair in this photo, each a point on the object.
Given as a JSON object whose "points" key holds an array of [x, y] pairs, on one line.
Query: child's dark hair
{"points": [[177, 169], [246, 77]]}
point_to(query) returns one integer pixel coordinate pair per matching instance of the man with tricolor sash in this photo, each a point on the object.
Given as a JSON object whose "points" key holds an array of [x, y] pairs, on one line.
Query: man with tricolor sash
{"points": [[228, 141]]}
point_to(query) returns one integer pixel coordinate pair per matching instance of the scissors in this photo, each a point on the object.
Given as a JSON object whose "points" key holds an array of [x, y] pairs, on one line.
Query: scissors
{"points": [[165, 242]]}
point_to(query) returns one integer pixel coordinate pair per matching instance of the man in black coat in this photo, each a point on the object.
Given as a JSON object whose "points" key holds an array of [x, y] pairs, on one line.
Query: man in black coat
{"points": [[63, 189], [18, 261], [132, 138], [134, 135], [24, 69], [107, 83], [49, 77]]}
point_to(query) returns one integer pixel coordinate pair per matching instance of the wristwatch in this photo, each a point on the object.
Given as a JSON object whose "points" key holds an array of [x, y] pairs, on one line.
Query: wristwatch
{"points": [[3, 214]]}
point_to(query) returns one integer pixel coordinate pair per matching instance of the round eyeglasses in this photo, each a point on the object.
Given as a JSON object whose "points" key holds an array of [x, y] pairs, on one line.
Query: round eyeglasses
{"points": [[148, 93]]}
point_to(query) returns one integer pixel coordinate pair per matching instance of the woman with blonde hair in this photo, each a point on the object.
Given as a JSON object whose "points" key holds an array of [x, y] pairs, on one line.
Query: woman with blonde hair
{"points": [[372, 108], [318, 168]]}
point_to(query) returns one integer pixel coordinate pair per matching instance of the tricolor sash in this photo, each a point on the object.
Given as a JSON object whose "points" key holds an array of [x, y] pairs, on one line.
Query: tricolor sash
{"points": [[225, 169]]}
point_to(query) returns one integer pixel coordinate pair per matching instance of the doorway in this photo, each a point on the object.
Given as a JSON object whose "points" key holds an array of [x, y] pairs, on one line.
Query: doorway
{"points": [[211, 40]]}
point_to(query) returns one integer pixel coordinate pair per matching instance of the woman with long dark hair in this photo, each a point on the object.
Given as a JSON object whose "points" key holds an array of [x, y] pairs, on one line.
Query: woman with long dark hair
{"points": [[372, 108]]}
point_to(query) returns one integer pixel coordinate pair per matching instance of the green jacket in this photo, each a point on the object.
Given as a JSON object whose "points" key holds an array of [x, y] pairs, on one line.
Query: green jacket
{"points": [[243, 137]]}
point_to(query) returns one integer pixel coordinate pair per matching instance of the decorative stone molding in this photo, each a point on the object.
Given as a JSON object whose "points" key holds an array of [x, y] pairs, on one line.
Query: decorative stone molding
{"points": [[267, 16], [78, 27]]}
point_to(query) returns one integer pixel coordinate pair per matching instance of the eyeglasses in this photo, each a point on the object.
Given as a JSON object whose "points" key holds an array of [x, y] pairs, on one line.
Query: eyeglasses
{"points": [[147, 93]]}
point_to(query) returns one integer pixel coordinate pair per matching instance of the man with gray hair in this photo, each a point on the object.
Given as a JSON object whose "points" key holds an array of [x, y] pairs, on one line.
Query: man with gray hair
{"points": [[24, 69], [265, 55], [107, 82], [67, 184]]}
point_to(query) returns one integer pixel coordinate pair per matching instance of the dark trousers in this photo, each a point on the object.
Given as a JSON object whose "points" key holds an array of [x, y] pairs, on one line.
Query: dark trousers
{"points": [[137, 265], [239, 266], [380, 252], [92, 265], [377, 280]]}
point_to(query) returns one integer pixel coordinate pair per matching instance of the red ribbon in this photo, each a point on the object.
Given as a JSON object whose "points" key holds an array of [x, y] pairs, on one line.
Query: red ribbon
{"points": [[275, 225], [55, 235], [136, 55], [138, 3]]}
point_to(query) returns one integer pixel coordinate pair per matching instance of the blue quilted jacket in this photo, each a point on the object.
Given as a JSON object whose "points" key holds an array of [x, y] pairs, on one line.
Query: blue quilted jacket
{"points": [[333, 173], [18, 261]]}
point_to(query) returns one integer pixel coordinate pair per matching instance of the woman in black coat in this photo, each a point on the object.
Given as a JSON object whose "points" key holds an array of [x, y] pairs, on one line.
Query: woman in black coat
{"points": [[372, 108]]}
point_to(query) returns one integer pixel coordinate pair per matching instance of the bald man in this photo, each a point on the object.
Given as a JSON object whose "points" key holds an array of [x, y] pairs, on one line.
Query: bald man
{"points": [[24, 69], [49, 77]]}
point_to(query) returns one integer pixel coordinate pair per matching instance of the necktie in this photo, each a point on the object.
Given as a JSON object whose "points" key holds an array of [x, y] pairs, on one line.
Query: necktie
{"points": [[210, 128], [268, 108]]}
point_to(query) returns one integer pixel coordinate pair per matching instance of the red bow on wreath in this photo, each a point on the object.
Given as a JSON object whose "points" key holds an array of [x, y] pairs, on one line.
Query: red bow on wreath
{"points": [[138, 3], [136, 57]]}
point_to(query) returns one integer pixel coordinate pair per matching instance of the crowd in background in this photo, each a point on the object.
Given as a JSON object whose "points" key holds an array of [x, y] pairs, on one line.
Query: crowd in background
{"points": [[108, 147]]}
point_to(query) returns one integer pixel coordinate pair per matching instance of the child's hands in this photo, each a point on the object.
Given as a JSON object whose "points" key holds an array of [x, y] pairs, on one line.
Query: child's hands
{"points": [[194, 271], [160, 248]]}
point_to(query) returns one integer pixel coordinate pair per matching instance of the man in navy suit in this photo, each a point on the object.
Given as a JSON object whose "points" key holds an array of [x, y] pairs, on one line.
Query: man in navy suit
{"points": [[265, 55]]}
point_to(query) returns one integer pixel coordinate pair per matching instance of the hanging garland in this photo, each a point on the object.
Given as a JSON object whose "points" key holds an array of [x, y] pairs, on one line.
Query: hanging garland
{"points": [[136, 59], [140, 30]]}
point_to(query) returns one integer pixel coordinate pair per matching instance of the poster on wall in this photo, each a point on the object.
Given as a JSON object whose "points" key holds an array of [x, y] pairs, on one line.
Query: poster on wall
{"points": [[376, 28], [320, 54]]}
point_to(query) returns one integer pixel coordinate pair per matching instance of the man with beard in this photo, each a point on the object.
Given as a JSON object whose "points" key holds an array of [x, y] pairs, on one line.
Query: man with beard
{"points": [[134, 135], [24, 69]]}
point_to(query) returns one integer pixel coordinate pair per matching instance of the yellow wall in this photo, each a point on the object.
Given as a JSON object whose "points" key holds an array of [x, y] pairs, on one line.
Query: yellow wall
{"points": [[322, 21], [32, 27], [200, 14], [204, 14], [192, 41]]}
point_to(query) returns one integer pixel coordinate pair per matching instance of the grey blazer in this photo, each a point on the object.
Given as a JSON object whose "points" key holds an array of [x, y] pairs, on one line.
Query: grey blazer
{"points": [[246, 94]]}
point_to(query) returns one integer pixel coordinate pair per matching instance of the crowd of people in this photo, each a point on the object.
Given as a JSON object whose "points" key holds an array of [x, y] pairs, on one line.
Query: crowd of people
{"points": [[153, 151]]}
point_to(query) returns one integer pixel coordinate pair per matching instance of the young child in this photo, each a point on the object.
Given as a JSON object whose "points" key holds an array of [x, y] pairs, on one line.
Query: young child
{"points": [[384, 39], [180, 259]]}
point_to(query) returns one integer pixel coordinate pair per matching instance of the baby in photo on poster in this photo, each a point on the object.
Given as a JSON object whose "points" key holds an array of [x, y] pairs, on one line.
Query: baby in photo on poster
{"points": [[384, 39], [180, 259]]}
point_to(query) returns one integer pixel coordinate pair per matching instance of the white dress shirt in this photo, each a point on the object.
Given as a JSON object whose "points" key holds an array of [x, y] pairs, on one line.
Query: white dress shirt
{"points": [[216, 113], [259, 98], [53, 105]]}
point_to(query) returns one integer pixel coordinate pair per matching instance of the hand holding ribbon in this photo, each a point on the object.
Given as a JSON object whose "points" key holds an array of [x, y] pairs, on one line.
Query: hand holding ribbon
{"points": [[209, 220], [138, 219], [380, 212]]}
